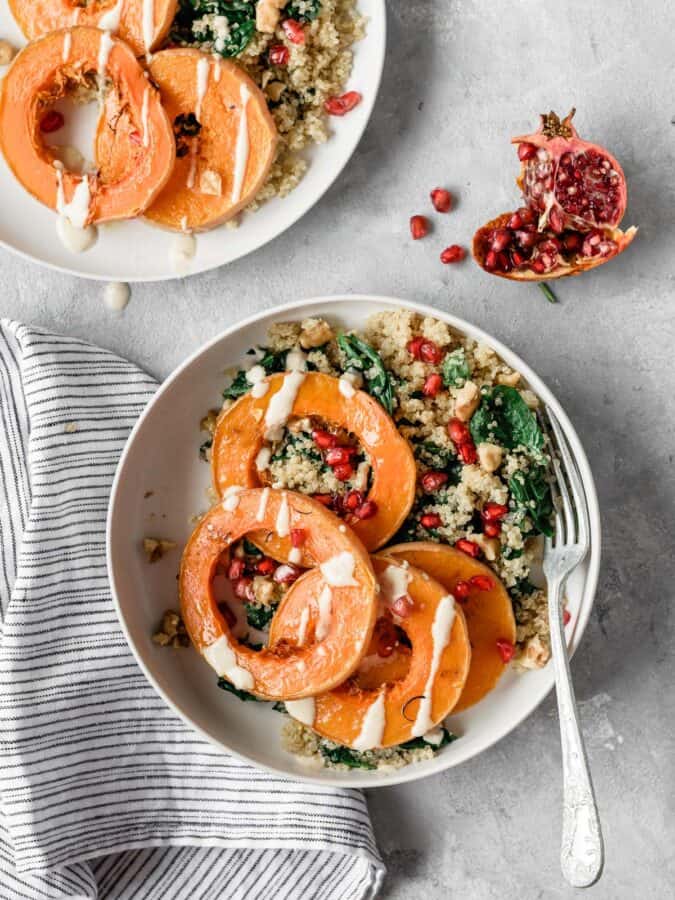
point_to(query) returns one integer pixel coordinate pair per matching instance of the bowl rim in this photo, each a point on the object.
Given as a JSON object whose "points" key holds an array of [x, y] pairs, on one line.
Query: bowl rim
{"points": [[442, 762]]}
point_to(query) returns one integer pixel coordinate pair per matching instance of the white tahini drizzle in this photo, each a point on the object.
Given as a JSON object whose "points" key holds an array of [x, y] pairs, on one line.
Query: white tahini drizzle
{"points": [[148, 26], [435, 736], [296, 361], [67, 41], [281, 405], [394, 582], [110, 21], [372, 727], [217, 69], [325, 604], [116, 295], [221, 657], [104, 48], [242, 146], [338, 571], [263, 458], [295, 556], [283, 523], [440, 635], [231, 497], [144, 115], [183, 248], [262, 506], [256, 377], [303, 710], [77, 210], [202, 83], [302, 627]]}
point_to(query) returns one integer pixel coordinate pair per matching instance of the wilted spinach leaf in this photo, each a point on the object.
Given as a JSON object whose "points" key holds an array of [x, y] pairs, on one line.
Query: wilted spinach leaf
{"points": [[305, 11], [419, 742], [377, 380], [259, 616], [504, 418], [226, 685], [532, 492], [240, 15], [272, 361], [455, 368], [346, 757]]}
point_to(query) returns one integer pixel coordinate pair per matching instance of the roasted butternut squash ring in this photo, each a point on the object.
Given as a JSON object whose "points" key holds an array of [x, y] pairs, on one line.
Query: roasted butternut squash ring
{"points": [[241, 430], [143, 24], [48, 69], [224, 152], [287, 671], [394, 712], [489, 614]]}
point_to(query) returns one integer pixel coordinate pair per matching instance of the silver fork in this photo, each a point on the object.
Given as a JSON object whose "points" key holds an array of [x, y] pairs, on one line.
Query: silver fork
{"points": [[582, 852]]}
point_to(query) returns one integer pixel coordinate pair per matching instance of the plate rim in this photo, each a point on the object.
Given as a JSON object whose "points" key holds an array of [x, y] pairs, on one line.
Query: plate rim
{"points": [[368, 103], [442, 762]]}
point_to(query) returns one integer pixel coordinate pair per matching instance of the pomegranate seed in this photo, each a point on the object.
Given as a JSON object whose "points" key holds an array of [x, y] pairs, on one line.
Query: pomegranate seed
{"points": [[492, 529], [506, 650], [461, 591], [236, 569], [453, 254], [468, 547], [286, 574], [367, 510], [352, 500], [538, 267], [243, 588], [527, 239], [556, 221], [572, 241], [51, 121], [491, 260], [494, 511], [501, 239], [441, 199], [337, 455], [515, 222], [432, 481], [294, 31], [323, 499], [343, 471], [482, 582], [266, 566], [227, 614], [526, 151], [339, 106], [518, 258], [298, 536], [419, 227], [413, 347], [401, 606], [504, 262], [467, 453], [278, 55], [430, 352], [432, 385], [458, 431], [567, 616], [527, 215], [324, 439], [431, 520]]}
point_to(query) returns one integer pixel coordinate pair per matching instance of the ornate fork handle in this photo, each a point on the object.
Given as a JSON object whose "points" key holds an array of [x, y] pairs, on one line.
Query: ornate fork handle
{"points": [[582, 851]]}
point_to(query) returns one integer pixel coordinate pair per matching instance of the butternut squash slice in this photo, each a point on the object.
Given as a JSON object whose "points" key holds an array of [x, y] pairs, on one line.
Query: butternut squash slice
{"points": [[76, 59], [394, 712], [489, 614], [226, 140], [241, 430], [287, 671]]}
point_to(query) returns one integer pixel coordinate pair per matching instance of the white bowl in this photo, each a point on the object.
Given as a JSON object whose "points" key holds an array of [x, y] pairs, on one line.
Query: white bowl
{"points": [[161, 455], [137, 251]]}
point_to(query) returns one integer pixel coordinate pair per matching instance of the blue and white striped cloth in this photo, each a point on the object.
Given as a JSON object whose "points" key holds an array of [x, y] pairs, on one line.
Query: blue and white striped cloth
{"points": [[104, 793]]}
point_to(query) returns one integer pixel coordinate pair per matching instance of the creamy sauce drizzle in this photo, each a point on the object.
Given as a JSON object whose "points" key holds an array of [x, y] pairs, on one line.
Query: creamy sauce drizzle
{"points": [[144, 115], [262, 506], [242, 147], [302, 628], [77, 240], [104, 49], [221, 657], [148, 26], [116, 295], [283, 523], [110, 21], [296, 361], [77, 210], [372, 727], [202, 82], [281, 405], [263, 458], [67, 41], [231, 497], [217, 70], [303, 710], [325, 604], [256, 376], [440, 635], [394, 582], [295, 556], [338, 571]]}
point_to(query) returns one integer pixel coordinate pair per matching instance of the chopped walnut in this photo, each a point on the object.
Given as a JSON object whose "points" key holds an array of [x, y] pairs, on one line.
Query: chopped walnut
{"points": [[315, 333], [509, 378], [211, 183], [274, 90], [172, 631], [535, 654], [7, 53], [491, 547], [155, 548], [466, 401], [267, 15], [530, 398], [490, 456]]}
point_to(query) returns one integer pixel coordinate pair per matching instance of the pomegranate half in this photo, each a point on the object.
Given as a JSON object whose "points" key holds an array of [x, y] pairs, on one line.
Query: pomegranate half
{"points": [[575, 197]]}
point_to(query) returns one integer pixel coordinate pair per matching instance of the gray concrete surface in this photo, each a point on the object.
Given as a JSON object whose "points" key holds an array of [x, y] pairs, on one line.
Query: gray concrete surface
{"points": [[460, 79]]}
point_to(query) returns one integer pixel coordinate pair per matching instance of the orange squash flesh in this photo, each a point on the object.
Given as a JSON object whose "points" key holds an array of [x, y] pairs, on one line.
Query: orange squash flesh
{"points": [[201, 191], [489, 614], [287, 671], [339, 714], [38, 17], [39, 76], [239, 436]]}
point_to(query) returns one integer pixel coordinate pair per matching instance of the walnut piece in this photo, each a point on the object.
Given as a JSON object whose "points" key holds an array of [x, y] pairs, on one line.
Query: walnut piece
{"points": [[267, 15], [155, 548], [466, 401], [509, 378], [490, 456], [172, 631], [315, 333], [490, 546]]}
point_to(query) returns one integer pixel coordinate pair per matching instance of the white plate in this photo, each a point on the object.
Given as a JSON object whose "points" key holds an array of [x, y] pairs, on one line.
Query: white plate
{"points": [[162, 455], [134, 251]]}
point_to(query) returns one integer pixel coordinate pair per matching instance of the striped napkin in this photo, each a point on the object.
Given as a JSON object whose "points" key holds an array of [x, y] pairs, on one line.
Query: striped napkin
{"points": [[104, 793]]}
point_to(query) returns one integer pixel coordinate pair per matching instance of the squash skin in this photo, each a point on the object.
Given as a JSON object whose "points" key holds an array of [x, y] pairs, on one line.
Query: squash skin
{"points": [[39, 71], [285, 672], [239, 436], [339, 713], [489, 614]]}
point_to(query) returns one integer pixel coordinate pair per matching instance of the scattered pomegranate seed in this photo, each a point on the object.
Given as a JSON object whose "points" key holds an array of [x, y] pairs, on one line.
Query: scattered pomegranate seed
{"points": [[526, 151], [413, 347], [343, 471], [491, 260], [494, 512], [467, 453], [432, 481], [337, 455], [278, 55], [453, 254], [492, 529], [323, 499], [431, 520], [402, 606], [367, 510], [227, 614], [515, 221], [323, 439], [286, 574], [51, 121], [243, 588], [298, 536], [235, 569], [339, 106], [506, 650], [266, 566], [458, 431], [501, 239], [461, 591], [567, 616], [352, 500], [419, 227], [441, 199], [468, 547], [432, 385], [430, 352], [293, 31], [482, 582]]}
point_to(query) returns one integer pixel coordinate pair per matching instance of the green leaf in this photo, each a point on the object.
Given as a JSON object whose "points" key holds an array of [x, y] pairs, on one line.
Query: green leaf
{"points": [[272, 361], [251, 549], [346, 757], [504, 418], [377, 380], [532, 493], [419, 743], [455, 368], [240, 15], [305, 11], [278, 706], [259, 616], [522, 588], [439, 458], [225, 685], [547, 292]]}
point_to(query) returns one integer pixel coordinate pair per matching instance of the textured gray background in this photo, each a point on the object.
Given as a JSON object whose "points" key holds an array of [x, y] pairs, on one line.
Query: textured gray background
{"points": [[460, 79]]}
